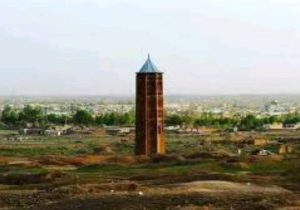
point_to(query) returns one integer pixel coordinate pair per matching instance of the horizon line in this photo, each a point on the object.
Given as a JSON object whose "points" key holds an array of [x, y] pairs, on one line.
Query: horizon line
{"points": [[132, 95]]}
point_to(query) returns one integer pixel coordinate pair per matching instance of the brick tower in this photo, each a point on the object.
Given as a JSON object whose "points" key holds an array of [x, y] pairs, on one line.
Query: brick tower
{"points": [[149, 111]]}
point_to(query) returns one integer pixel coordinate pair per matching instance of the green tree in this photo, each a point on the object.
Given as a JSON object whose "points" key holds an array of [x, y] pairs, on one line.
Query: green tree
{"points": [[114, 118], [174, 120], [32, 114], [250, 122], [83, 117], [291, 119], [9, 116], [188, 120], [275, 119], [126, 119], [57, 119]]}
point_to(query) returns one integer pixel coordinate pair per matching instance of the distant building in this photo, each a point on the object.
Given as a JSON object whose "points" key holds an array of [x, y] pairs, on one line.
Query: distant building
{"points": [[56, 131], [149, 110], [292, 126], [274, 126], [31, 131], [115, 131], [275, 109]]}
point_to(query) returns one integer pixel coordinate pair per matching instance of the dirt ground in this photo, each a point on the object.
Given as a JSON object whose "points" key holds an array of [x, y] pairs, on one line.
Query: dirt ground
{"points": [[89, 173]]}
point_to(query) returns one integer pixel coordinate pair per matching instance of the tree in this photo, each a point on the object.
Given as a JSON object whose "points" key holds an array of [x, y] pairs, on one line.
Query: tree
{"points": [[250, 122], [173, 120], [291, 119], [188, 120], [274, 119], [114, 118], [9, 116], [57, 119], [83, 117], [126, 119], [32, 114]]}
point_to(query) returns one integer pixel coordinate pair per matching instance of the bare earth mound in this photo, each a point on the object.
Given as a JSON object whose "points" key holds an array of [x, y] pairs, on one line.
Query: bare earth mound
{"points": [[197, 195]]}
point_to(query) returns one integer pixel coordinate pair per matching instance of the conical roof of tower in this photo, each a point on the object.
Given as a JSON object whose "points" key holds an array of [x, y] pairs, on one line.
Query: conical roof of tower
{"points": [[149, 67]]}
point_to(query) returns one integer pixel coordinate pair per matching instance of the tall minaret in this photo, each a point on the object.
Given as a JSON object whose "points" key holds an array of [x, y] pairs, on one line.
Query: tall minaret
{"points": [[149, 110]]}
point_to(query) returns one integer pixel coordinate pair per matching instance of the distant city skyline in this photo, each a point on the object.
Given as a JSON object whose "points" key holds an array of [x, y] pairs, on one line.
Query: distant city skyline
{"points": [[95, 47]]}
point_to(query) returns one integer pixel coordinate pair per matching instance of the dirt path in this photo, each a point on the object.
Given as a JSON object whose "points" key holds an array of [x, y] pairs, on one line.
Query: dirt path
{"points": [[216, 186]]}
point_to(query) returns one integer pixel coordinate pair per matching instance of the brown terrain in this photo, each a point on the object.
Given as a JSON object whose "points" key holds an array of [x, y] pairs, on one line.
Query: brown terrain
{"points": [[199, 172]]}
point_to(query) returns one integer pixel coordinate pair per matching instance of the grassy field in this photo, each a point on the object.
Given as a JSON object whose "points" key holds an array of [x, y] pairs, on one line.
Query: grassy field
{"points": [[100, 172]]}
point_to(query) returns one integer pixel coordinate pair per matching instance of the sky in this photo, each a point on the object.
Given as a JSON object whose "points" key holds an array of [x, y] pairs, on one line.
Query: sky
{"points": [[95, 47]]}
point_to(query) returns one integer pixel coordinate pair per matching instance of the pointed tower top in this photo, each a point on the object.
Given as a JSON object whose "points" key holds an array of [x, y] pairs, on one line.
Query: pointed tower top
{"points": [[149, 67]]}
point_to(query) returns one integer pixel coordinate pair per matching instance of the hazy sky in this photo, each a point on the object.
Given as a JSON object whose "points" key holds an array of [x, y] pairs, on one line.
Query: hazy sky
{"points": [[96, 46]]}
